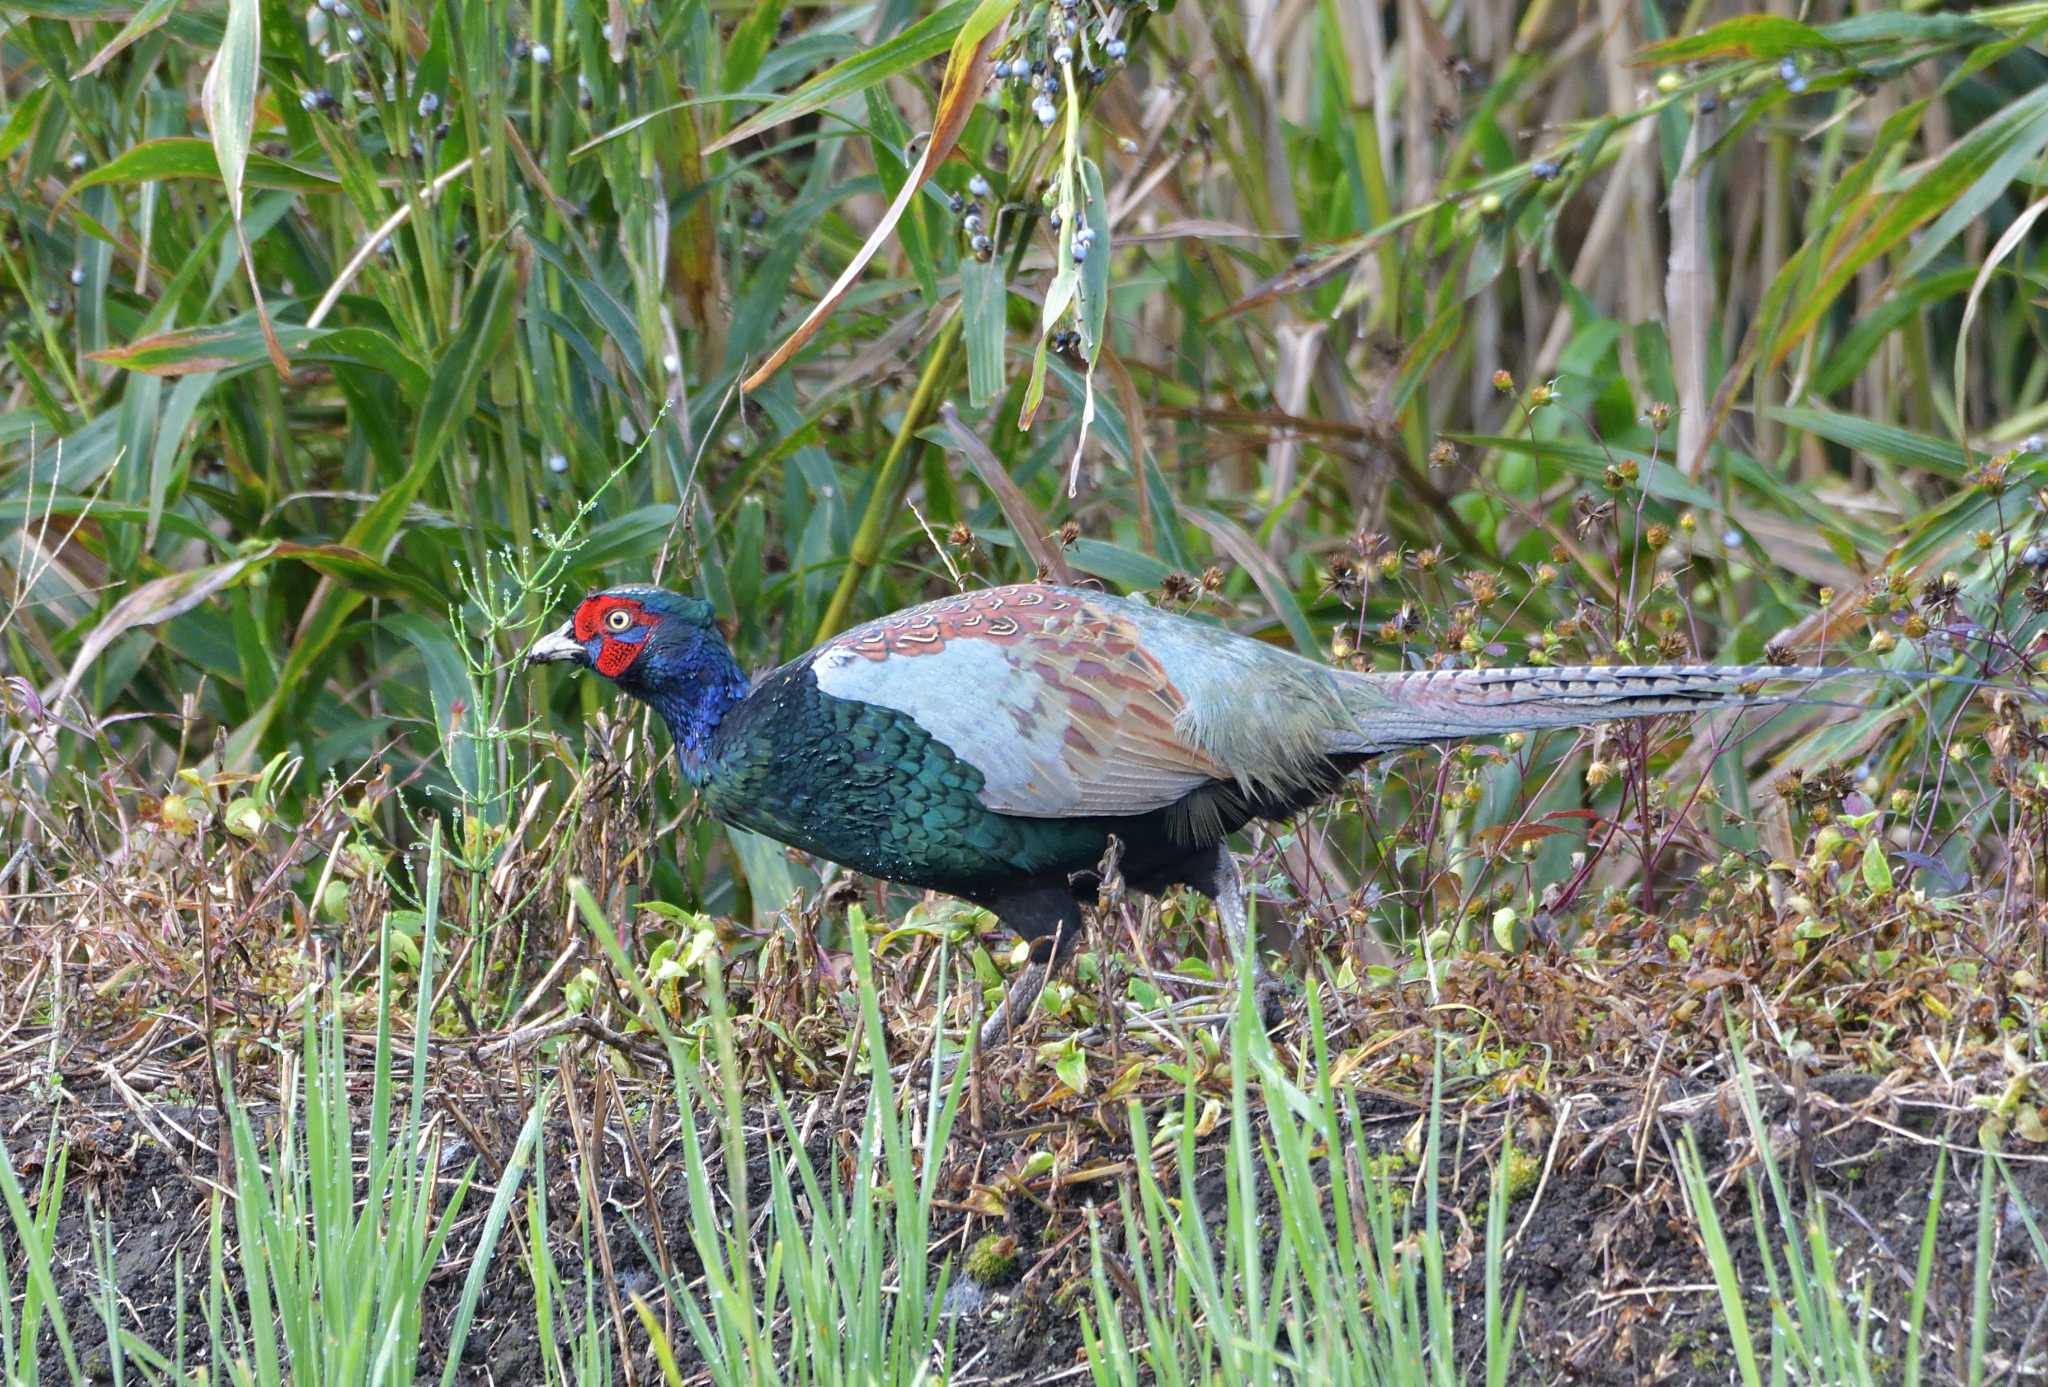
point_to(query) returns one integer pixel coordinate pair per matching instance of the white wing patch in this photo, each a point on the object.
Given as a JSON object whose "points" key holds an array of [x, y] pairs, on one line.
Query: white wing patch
{"points": [[998, 713]]}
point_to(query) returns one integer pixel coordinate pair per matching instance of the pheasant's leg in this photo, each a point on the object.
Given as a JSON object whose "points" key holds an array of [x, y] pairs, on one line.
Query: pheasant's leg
{"points": [[1016, 1004], [1226, 887], [1052, 921]]}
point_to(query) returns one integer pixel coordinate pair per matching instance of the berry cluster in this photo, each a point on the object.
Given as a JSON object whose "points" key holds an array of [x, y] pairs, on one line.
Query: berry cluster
{"points": [[1060, 47]]}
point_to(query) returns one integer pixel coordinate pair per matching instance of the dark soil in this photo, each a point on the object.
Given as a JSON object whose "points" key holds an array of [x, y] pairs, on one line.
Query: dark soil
{"points": [[1618, 1289]]}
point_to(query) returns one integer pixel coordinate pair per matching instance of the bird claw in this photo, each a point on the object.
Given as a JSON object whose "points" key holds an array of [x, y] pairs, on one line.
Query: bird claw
{"points": [[1272, 996]]}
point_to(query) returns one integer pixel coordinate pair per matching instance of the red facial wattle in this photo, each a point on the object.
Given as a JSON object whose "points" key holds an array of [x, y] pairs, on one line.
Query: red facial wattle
{"points": [[620, 625]]}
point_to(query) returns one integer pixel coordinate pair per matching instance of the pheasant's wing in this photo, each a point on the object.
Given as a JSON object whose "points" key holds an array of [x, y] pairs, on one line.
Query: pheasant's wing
{"points": [[1053, 695]]}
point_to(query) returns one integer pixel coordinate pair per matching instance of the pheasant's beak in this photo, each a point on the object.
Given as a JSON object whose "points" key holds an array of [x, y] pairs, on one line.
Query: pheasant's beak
{"points": [[559, 644]]}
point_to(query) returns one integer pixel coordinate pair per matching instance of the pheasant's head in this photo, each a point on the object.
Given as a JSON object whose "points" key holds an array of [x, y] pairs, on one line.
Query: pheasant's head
{"points": [[659, 646]]}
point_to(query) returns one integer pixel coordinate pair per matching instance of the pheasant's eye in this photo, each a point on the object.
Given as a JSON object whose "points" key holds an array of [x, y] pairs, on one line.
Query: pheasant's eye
{"points": [[618, 619]]}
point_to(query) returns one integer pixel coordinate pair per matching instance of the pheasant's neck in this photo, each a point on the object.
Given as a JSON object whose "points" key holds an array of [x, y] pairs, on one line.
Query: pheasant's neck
{"points": [[695, 705]]}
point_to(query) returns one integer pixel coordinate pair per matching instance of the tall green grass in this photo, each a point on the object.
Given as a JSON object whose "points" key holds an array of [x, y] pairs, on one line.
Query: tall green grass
{"points": [[317, 1265], [339, 1220], [1320, 1267], [838, 1289], [1822, 1327]]}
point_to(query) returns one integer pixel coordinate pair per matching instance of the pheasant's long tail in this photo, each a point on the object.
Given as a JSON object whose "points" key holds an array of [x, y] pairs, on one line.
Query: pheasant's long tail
{"points": [[1397, 710]]}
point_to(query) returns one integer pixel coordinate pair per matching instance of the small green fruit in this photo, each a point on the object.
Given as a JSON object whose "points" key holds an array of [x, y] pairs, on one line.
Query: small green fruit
{"points": [[334, 902], [244, 817]]}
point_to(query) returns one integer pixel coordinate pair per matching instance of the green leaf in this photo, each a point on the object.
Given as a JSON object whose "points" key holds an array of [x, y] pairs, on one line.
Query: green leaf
{"points": [[1119, 564], [750, 41], [454, 695], [984, 299], [924, 40], [1897, 26], [145, 19], [451, 396], [770, 879], [1094, 278], [1751, 36], [486, 325], [230, 96], [17, 508], [1870, 437], [632, 538], [22, 123], [1845, 361], [1974, 172], [1877, 873], [187, 156], [240, 343], [1070, 1063]]}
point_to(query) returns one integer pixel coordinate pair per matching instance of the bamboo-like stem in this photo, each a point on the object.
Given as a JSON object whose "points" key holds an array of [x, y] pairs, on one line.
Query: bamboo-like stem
{"points": [[883, 499]]}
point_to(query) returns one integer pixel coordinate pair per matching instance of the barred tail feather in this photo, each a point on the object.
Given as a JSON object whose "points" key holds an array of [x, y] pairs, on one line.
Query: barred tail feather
{"points": [[1398, 710]]}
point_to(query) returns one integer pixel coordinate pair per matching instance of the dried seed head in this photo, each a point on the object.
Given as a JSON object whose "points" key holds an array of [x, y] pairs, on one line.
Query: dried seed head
{"points": [[1483, 587], [1993, 475]]}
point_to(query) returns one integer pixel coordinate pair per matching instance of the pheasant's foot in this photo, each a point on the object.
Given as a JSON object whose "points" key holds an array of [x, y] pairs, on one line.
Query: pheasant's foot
{"points": [[1272, 996]]}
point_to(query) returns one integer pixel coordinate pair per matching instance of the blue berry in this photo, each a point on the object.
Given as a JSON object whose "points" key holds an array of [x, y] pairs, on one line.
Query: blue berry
{"points": [[1116, 48], [978, 186], [1788, 68], [1795, 85], [1544, 169], [1080, 251], [973, 224], [1063, 55]]}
